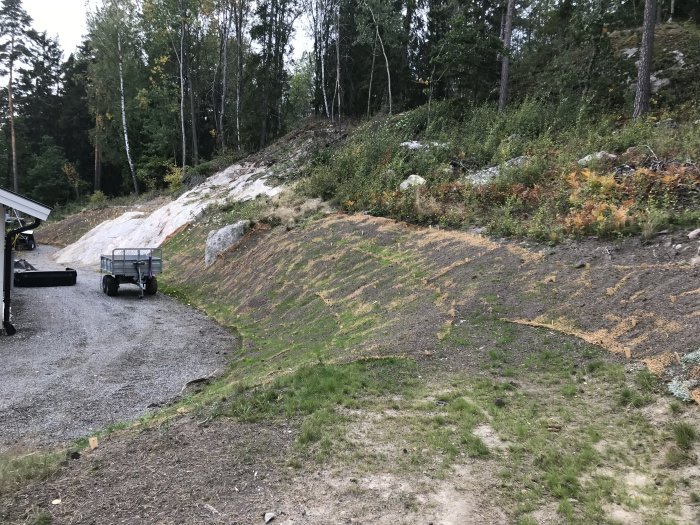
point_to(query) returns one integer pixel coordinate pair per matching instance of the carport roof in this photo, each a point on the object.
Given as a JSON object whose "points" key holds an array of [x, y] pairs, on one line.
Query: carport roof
{"points": [[23, 204]]}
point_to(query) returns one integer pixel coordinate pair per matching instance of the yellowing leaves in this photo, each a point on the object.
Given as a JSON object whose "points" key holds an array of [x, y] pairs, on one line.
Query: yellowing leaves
{"points": [[587, 184]]}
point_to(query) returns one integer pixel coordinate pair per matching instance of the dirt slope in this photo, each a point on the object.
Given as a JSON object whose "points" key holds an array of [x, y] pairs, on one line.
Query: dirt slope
{"points": [[344, 288], [640, 301]]}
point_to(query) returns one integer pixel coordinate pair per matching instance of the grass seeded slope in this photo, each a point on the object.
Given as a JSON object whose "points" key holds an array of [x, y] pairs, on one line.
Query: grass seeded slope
{"points": [[388, 349]]}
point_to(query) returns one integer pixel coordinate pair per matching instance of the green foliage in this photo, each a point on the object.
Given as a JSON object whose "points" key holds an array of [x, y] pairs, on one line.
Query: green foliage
{"points": [[40, 517], [46, 180]]}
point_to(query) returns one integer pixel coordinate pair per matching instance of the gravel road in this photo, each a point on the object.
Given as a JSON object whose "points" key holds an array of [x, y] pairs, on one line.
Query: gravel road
{"points": [[81, 360]]}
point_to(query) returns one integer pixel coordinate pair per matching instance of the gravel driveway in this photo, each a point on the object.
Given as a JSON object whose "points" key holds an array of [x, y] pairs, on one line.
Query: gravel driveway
{"points": [[81, 360]]}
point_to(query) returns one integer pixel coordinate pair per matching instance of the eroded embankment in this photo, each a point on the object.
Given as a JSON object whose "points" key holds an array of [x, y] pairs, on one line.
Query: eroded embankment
{"points": [[353, 286]]}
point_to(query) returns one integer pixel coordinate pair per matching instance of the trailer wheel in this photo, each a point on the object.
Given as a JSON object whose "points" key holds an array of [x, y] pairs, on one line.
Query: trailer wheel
{"points": [[151, 286], [111, 285], [104, 283]]}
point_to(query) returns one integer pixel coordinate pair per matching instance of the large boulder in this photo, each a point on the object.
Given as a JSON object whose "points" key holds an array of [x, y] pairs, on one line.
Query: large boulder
{"points": [[221, 240]]}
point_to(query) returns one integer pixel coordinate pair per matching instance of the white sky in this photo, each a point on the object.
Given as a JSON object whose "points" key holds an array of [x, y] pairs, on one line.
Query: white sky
{"points": [[62, 18], [66, 19]]}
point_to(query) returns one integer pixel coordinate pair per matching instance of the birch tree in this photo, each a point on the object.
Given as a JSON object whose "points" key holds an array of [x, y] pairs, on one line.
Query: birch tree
{"points": [[319, 14], [241, 9], [380, 22], [113, 39], [232, 16]]}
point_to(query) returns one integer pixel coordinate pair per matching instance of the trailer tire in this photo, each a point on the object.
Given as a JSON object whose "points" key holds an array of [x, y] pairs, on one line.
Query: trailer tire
{"points": [[111, 285], [104, 283], [151, 286]]}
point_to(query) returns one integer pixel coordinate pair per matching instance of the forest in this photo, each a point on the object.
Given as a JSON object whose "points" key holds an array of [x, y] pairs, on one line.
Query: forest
{"points": [[162, 92]]}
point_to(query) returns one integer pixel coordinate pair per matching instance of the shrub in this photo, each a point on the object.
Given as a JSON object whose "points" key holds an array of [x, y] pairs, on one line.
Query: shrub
{"points": [[174, 177], [98, 198]]}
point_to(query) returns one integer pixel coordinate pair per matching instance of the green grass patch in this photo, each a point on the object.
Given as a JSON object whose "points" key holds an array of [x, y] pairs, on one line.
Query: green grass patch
{"points": [[16, 471], [314, 388]]}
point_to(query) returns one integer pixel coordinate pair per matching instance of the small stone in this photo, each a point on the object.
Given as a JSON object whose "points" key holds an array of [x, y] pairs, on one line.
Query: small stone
{"points": [[580, 264], [695, 234], [412, 181], [269, 516], [499, 402], [599, 156]]}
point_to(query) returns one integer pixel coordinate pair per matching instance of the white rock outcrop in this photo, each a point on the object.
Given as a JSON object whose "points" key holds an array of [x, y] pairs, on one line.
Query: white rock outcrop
{"points": [[238, 183]]}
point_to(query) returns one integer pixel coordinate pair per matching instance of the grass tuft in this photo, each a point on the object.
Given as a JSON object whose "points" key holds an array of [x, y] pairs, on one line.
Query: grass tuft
{"points": [[685, 435]]}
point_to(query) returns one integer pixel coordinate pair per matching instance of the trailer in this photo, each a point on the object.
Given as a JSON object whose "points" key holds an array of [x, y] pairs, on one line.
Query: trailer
{"points": [[137, 266]]}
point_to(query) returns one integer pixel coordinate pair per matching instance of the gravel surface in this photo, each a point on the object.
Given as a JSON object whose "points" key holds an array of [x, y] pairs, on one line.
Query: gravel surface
{"points": [[81, 360]]}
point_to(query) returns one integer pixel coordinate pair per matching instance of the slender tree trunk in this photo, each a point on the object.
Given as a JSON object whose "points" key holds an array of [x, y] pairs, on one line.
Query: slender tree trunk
{"points": [[386, 59], [224, 75], [239, 20], [430, 94], [673, 8], [267, 81], [193, 118], [321, 32], [371, 76], [98, 167], [337, 63], [11, 115], [277, 58], [98, 154], [505, 58], [181, 60], [123, 107], [643, 94]]}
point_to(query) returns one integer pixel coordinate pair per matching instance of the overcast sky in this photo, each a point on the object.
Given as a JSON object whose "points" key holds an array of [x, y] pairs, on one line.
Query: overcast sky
{"points": [[62, 18], [66, 19]]}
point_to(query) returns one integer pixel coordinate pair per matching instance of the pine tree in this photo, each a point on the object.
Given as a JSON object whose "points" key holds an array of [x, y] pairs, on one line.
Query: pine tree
{"points": [[16, 39], [505, 57], [643, 94]]}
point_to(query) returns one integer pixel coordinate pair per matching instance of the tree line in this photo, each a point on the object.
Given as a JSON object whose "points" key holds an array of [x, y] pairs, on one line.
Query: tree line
{"points": [[160, 87]]}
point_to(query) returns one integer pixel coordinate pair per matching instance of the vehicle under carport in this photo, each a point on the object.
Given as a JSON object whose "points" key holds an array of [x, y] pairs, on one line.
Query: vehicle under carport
{"points": [[33, 209]]}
